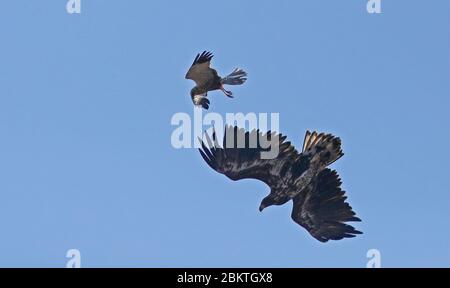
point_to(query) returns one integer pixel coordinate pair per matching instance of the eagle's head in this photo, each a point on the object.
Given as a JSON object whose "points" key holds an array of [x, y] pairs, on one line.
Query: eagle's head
{"points": [[273, 199], [266, 202]]}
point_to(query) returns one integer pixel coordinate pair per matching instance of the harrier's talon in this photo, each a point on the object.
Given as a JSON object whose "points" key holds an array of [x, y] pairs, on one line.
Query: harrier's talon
{"points": [[227, 92]]}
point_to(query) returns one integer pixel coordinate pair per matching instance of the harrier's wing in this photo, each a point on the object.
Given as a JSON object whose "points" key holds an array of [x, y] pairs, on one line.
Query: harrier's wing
{"points": [[200, 70], [321, 209], [238, 160]]}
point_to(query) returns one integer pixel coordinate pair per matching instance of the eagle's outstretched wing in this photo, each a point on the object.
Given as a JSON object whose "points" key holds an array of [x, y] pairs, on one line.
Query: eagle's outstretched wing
{"points": [[321, 209], [239, 159], [200, 71]]}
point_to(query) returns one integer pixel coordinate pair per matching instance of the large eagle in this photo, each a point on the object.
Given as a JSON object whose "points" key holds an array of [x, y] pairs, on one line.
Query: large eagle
{"points": [[318, 201], [207, 79]]}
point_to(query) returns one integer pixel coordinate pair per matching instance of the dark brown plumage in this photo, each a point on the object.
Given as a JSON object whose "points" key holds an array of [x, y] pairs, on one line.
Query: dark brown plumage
{"points": [[319, 202], [207, 79]]}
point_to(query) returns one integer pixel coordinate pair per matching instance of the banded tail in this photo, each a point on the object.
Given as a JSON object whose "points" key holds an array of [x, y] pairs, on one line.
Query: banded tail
{"points": [[237, 77]]}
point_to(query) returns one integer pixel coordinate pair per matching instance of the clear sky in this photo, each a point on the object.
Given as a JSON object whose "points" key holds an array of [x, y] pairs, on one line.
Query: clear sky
{"points": [[86, 102]]}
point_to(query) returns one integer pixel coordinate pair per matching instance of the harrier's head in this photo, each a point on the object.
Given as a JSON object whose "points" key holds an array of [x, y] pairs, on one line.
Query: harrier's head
{"points": [[195, 91], [199, 99]]}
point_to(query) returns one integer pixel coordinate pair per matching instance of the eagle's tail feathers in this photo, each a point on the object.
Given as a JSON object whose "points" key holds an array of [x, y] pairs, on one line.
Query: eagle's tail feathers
{"points": [[326, 146]]}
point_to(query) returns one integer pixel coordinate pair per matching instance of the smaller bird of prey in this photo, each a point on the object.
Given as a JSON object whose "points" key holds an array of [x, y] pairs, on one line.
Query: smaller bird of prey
{"points": [[207, 79], [319, 203]]}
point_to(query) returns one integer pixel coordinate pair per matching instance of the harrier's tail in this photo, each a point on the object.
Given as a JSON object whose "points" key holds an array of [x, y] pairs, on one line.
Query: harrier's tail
{"points": [[237, 77], [325, 148]]}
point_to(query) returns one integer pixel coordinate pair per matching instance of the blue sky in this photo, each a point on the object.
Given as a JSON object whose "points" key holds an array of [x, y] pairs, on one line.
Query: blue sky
{"points": [[85, 106]]}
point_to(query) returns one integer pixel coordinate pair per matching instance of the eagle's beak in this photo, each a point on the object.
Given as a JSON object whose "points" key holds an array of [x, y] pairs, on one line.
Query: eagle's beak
{"points": [[261, 207]]}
